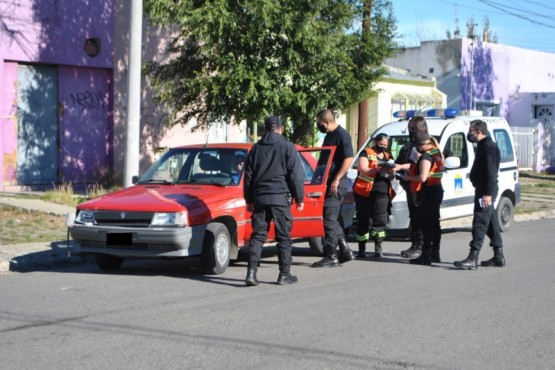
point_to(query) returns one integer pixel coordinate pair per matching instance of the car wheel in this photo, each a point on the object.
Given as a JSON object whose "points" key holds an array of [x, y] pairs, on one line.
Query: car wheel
{"points": [[107, 261], [216, 249], [316, 246], [505, 214]]}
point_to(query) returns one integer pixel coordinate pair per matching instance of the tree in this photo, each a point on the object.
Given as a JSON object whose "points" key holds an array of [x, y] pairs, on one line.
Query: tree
{"points": [[237, 60]]}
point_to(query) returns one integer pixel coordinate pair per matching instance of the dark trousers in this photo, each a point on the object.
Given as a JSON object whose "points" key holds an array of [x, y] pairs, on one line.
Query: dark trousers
{"points": [[333, 223], [430, 201], [283, 221], [415, 219], [372, 214], [485, 223]]}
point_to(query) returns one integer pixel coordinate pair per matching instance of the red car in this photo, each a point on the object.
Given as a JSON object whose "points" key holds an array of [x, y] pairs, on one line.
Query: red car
{"points": [[188, 204]]}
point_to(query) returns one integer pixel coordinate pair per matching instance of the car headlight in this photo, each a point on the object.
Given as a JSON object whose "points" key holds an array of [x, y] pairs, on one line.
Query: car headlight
{"points": [[169, 219], [85, 217]]}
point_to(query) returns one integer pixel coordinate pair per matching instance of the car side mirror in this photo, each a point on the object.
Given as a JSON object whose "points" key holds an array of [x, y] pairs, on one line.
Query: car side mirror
{"points": [[452, 162], [135, 179]]}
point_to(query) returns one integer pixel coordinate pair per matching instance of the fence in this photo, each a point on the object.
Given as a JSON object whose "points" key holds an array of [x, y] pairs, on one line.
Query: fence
{"points": [[525, 138]]}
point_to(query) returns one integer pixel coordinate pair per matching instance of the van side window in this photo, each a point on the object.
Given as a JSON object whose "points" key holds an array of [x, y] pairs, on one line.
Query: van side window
{"points": [[505, 147], [456, 147]]}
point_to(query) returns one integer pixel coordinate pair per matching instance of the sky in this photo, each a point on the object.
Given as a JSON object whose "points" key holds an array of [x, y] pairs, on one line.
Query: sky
{"points": [[528, 24]]}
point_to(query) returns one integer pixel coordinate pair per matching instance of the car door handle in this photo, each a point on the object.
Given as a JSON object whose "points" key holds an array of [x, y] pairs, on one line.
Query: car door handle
{"points": [[316, 194]]}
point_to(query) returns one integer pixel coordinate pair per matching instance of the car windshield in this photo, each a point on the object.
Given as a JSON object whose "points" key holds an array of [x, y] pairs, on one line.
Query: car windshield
{"points": [[215, 166]]}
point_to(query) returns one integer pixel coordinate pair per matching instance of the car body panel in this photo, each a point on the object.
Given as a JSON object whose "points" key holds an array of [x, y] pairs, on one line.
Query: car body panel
{"points": [[178, 182]]}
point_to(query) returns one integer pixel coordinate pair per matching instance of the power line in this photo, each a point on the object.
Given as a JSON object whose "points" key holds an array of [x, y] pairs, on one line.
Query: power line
{"points": [[520, 16]]}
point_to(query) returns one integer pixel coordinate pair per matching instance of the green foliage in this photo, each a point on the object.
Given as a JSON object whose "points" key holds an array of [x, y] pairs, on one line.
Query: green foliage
{"points": [[243, 60]]}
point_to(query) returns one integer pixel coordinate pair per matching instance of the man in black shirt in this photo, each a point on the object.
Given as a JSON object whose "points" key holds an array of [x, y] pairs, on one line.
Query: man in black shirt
{"points": [[483, 176], [337, 188], [273, 171]]}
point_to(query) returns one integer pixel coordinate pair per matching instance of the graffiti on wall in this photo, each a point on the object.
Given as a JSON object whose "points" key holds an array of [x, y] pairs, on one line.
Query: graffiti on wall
{"points": [[86, 100]]}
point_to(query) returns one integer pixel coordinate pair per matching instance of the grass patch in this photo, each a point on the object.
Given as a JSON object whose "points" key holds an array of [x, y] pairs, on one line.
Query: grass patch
{"points": [[22, 226], [64, 194]]}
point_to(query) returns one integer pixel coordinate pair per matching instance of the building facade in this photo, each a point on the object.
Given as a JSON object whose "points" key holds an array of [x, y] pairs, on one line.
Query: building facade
{"points": [[497, 80], [63, 73]]}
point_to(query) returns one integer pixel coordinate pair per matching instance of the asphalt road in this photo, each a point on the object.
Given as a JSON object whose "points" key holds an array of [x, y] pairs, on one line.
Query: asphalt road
{"points": [[363, 315]]}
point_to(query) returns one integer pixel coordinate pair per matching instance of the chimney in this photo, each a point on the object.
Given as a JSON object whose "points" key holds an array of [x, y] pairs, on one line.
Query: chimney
{"points": [[485, 36]]}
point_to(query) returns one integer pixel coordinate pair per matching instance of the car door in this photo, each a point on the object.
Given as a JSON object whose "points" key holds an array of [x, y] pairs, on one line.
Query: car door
{"points": [[316, 163]]}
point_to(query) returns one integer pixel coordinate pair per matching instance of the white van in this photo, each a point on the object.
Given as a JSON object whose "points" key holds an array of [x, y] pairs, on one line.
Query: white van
{"points": [[450, 131]]}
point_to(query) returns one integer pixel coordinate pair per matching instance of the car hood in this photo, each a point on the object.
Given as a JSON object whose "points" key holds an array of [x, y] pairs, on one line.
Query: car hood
{"points": [[161, 198]]}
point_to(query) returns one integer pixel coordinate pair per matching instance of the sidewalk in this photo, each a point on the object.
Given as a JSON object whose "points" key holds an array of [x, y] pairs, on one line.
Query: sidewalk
{"points": [[39, 256], [48, 255]]}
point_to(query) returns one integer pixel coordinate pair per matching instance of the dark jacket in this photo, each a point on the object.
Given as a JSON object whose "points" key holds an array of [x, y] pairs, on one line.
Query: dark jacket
{"points": [[485, 168], [272, 171]]}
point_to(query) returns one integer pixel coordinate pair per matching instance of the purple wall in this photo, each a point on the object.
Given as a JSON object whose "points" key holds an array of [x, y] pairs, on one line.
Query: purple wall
{"points": [[54, 32]]}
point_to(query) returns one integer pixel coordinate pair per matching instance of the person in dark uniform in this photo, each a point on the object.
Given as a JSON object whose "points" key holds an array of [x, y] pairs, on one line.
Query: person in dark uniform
{"points": [[273, 172], [483, 176], [407, 156], [425, 180], [337, 188], [373, 194]]}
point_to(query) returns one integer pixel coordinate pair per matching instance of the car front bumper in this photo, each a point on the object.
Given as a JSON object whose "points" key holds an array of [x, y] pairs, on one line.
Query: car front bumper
{"points": [[139, 242]]}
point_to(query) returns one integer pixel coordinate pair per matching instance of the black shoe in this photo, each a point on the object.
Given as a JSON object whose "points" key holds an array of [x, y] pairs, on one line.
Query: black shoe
{"points": [[412, 252], [422, 260], [326, 262], [378, 254], [470, 263], [251, 280], [285, 278], [346, 256], [435, 257], [361, 255], [494, 262]]}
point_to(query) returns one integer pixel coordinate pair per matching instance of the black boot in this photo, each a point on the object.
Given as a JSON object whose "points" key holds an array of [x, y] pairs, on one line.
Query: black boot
{"points": [[470, 263], [251, 280], [285, 278], [378, 248], [361, 250], [435, 254], [498, 259], [425, 257], [330, 258], [345, 254]]}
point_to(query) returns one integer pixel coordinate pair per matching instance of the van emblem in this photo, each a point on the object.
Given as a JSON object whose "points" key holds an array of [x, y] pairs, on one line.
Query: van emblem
{"points": [[122, 215]]}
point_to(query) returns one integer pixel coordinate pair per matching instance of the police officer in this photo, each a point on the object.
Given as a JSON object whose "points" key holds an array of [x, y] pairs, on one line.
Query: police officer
{"points": [[373, 193], [483, 176], [272, 172], [407, 156], [425, 180], [337, 188]]}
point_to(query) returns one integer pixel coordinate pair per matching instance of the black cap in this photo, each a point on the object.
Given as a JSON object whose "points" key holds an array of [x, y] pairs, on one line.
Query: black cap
{"points": [[273, 122]]}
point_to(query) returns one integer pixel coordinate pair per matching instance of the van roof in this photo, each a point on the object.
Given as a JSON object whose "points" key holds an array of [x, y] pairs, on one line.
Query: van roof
{"points": [[436, 125]]}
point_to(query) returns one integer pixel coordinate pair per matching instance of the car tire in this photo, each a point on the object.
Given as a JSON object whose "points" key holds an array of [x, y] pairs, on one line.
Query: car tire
{"points": [[108, 261], [505, 214], [216, 249], [316, 245]]}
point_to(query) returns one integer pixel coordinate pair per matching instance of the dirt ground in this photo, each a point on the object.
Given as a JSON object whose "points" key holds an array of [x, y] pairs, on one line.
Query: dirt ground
{"points": [[538, 194]]}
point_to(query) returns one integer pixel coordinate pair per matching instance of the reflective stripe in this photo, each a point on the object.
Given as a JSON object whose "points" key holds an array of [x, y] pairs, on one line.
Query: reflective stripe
{"points": [[363, 238]]}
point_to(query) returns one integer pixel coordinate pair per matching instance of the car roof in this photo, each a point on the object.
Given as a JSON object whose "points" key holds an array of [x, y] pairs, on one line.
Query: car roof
{"points": [[245, 146]]}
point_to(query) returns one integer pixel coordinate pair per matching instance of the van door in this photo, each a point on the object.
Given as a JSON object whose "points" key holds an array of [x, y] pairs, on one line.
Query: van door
{"points": [[458, 197]]}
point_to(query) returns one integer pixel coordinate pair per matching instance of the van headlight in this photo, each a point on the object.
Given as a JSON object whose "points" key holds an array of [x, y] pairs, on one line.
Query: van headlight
{"points": [[178, 219]]}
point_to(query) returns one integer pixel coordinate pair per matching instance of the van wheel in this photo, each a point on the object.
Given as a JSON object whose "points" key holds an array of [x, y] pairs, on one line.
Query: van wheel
{"points": [[216, 249], [107, 261], [316, 245], [505, 214]]}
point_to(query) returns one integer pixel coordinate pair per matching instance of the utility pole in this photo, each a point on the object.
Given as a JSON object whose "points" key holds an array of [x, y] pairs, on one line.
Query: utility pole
{"points": [[363, 105], [133, 121]]}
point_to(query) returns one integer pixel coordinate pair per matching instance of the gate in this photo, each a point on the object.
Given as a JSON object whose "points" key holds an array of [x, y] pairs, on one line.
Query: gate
{"points": [[524, 138]]}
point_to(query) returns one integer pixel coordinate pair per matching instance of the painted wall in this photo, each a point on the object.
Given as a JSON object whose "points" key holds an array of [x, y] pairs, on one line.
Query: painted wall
{"points": [[51, 33]]}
